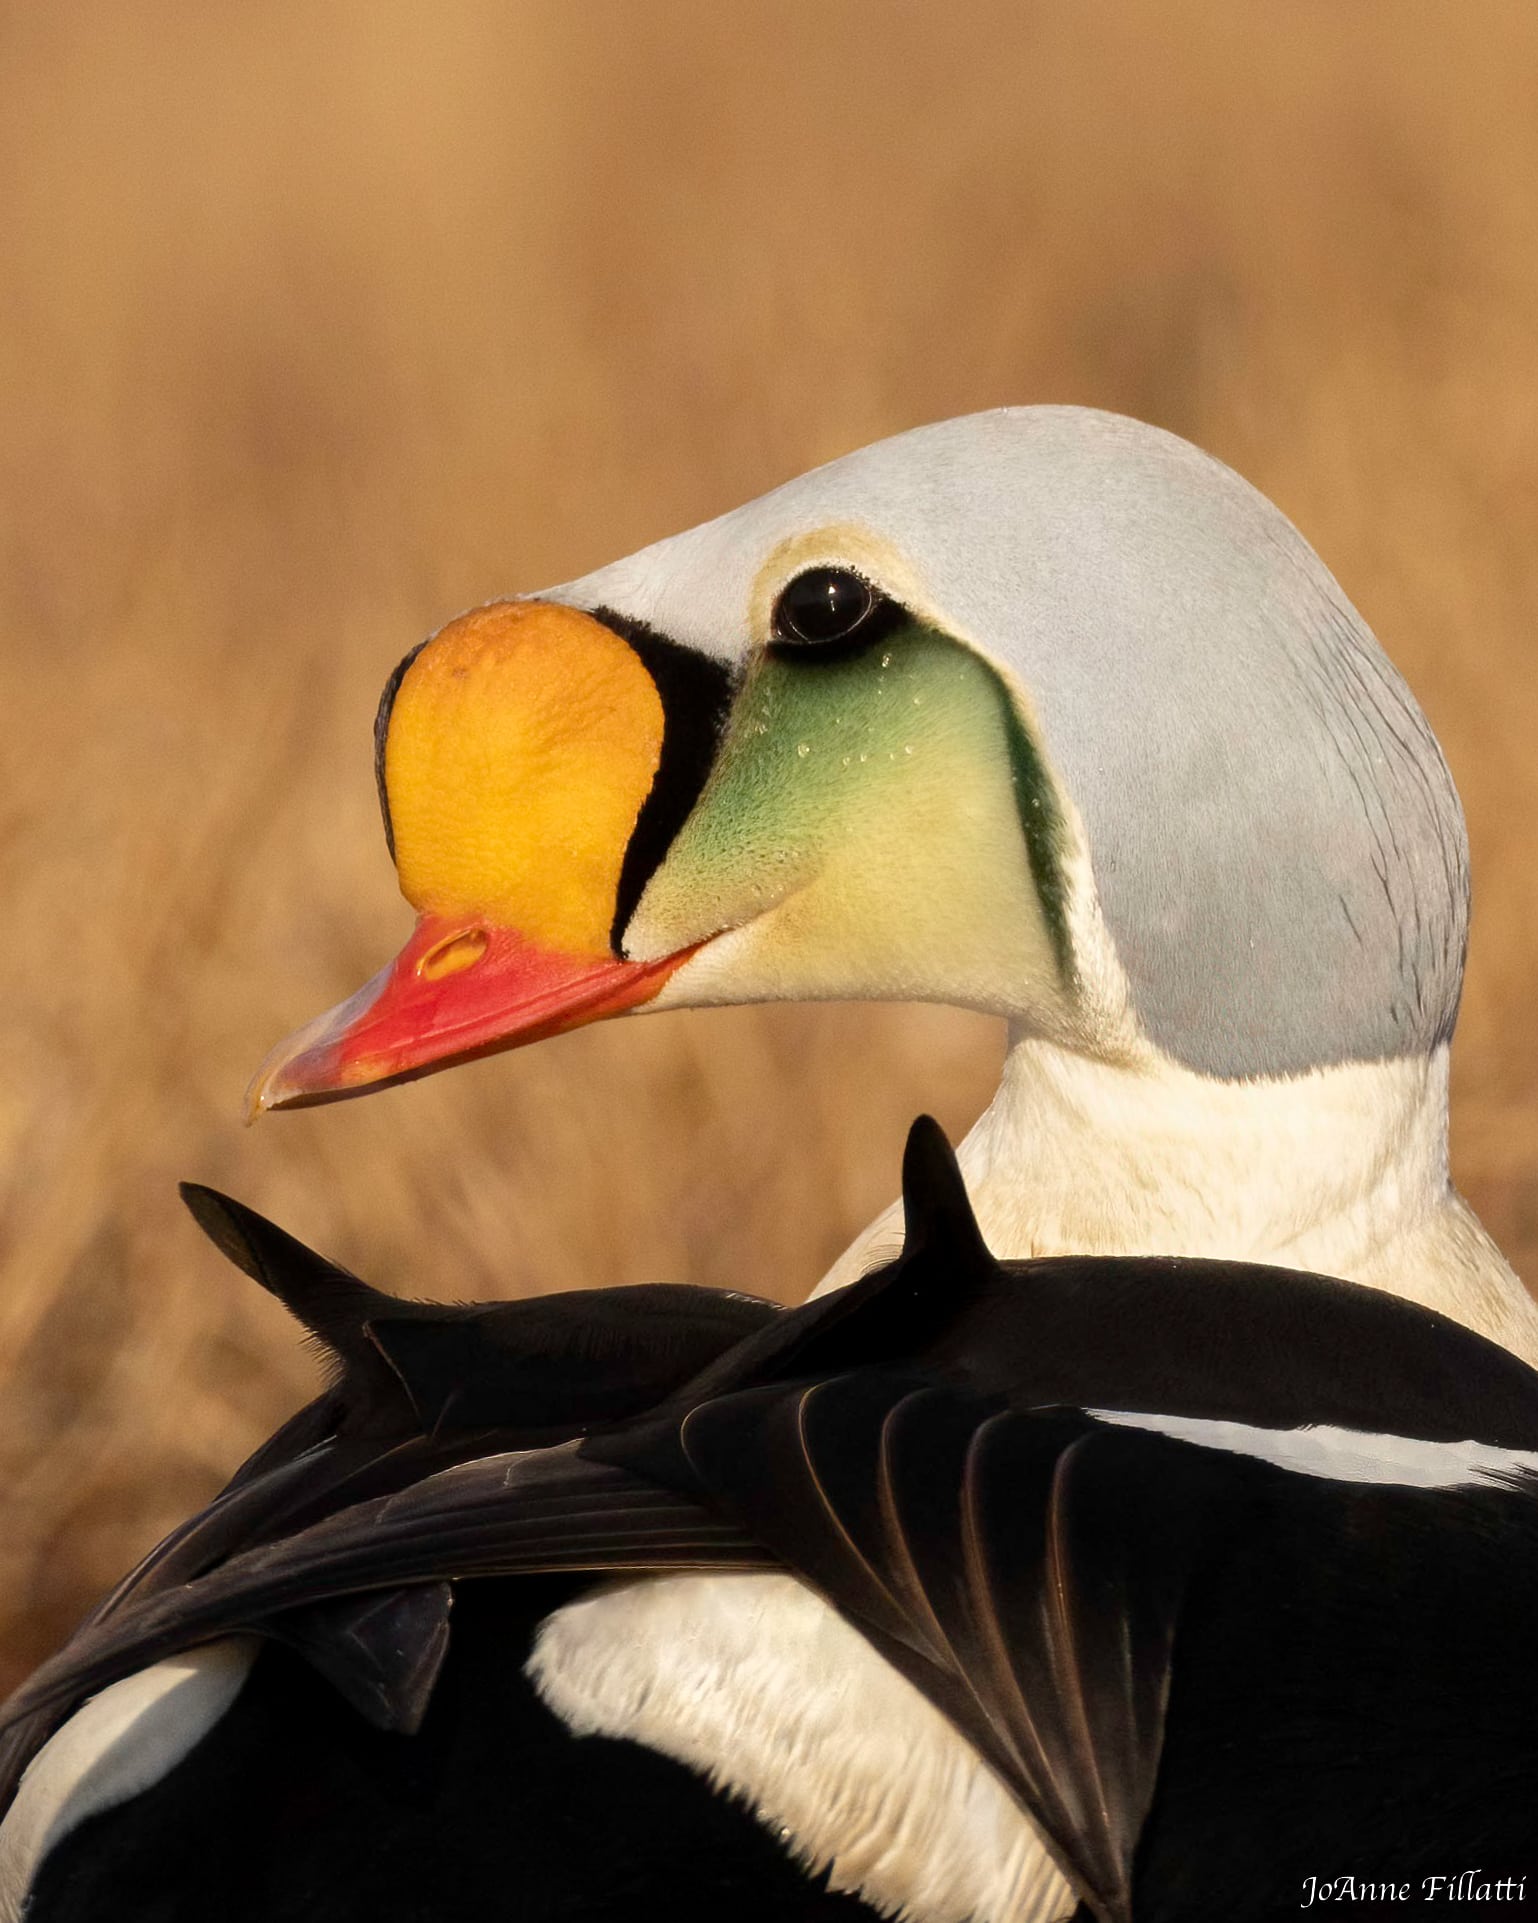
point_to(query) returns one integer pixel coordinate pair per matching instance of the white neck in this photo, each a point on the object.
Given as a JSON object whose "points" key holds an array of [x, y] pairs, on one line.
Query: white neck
{"points": [[1342, 1170]]}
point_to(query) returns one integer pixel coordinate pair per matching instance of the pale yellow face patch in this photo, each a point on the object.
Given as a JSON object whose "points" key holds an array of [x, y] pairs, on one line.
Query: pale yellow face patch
{"points": [[861, 834], [523, 741]]}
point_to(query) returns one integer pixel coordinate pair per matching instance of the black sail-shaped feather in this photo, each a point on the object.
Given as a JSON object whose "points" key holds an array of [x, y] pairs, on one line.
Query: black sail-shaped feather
{"points": [[1085, 1601]]}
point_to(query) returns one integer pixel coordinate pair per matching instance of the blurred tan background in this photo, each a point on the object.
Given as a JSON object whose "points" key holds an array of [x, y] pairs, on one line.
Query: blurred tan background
{"points": [[321, 321]]}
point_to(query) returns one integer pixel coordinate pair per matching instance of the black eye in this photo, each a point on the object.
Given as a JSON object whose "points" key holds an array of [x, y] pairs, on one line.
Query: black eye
{"points": [[825, 606]]}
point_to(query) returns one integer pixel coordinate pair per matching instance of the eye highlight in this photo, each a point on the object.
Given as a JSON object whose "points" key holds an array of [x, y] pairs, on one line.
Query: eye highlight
{"points": [[826, 607]]}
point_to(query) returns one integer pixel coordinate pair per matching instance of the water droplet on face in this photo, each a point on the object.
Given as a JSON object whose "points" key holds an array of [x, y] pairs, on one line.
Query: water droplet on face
{"points": [[803, 748], [886, 660], [908, 749], [918, 701], [865, 757]]}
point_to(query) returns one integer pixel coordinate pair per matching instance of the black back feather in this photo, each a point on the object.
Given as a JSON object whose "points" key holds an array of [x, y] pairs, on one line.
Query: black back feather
{"points": [[332, 1304], [1092, 1606]]}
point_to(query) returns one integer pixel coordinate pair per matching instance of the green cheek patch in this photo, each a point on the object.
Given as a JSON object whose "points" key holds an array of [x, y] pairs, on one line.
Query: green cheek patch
{"points": [[912, 736]]}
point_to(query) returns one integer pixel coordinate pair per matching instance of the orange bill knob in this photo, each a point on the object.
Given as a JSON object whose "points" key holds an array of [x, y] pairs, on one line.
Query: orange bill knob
{"points": [[518, 749]]}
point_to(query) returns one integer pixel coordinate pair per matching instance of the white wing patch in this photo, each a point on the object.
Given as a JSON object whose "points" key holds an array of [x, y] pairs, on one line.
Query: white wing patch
{"points": [[121, 1742], [1342, 1455]]}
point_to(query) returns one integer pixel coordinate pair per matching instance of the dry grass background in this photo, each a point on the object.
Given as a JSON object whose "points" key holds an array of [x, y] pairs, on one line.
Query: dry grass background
{"points": [[318, 323]]}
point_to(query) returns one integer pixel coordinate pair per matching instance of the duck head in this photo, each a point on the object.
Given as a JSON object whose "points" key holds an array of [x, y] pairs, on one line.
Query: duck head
{"points": [[1041, 712]]}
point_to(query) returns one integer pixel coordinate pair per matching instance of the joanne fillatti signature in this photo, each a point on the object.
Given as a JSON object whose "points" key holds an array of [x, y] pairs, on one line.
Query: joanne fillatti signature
{"points": [[1466, 1886]]}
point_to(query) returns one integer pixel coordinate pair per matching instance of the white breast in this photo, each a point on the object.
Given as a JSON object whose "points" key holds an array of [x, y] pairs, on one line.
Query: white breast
{"points": [[757, 1684]]}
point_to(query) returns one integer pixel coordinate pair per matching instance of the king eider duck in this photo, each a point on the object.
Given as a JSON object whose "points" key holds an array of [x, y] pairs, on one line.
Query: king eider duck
{"points": [[1210, 1601], [1042, 712]]}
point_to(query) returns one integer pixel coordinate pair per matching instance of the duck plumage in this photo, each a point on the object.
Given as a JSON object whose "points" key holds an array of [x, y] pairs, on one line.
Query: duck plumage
{"points": [[1044, 713], [1094, 1511]]}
